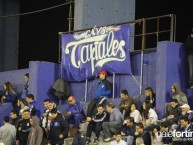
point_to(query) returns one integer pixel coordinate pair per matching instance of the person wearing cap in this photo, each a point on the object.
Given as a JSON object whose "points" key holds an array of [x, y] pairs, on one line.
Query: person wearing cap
{"points": [[103, 92], [75, 112], [186, 112]]}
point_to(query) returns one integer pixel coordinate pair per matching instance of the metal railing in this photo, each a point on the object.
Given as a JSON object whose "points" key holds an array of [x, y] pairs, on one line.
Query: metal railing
{"points": [[168, 28]]}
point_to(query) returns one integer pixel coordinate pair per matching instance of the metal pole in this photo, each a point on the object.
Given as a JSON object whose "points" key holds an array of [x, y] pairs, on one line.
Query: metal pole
{"points": [[70, 17], [86, 90], [113, 85], [142, 56], [172, 28]]}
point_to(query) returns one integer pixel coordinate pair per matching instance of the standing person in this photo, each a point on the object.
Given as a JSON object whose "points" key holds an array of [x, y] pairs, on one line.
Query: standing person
{"points": [[33, 105], [125, 103], [102, 93], [9, 94], [189, 44], [118, 140], [58, 129], [44, 121], [14, 118], [23, 128], [115, 122], [95, 125], [7, 132], [26, 86], [22, 104], [178, 94], [36, 132], [150, 97], [75, 112]]}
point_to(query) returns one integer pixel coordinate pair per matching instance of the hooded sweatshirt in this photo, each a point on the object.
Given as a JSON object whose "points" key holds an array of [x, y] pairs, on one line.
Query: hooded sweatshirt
{"points": [[36, 133], [179, 95]]}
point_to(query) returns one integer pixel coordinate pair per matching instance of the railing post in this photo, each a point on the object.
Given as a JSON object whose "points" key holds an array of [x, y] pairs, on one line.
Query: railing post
{"points": [[142, 49], [172, 27], [86, 90]]}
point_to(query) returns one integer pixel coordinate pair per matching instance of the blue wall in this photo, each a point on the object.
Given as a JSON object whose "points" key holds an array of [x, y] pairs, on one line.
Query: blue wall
{"points": [[171, 67], [16, 77], [162, 68]]}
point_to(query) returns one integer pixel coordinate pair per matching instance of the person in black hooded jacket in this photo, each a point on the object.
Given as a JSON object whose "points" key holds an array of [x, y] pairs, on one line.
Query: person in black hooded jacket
{"points": [[23, 128], [58, 129]]}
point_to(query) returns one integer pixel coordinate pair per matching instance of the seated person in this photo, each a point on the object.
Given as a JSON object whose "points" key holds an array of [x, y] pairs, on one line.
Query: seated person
{"points": [[115, 122], [173, 112], [103, 92], [125, 103], [139, 141], [149, 115], [165, 130], [9, 94], [150, 97], [95, 124], [75, 112], [140, 132], [118, 140], [135, 114], [156, 138], [186, 112], [129, 130], [185, 128], [178, 94]]}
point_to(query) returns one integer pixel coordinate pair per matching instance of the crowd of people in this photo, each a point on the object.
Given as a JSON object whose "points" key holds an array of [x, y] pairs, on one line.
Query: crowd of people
{"points": [[125, 124]]}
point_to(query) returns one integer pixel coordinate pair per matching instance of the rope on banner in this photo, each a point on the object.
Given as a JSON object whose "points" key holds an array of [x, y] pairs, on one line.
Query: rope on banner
{"points": [[86, 89], [113, 85]]}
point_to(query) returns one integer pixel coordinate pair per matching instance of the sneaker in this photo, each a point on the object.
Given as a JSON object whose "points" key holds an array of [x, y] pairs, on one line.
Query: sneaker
{"points": [[88, 140], [107, 139], [96, 140]]}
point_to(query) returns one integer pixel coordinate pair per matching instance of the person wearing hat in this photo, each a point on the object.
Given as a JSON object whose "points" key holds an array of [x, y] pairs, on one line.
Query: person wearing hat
{"points": [[103, 92], [186, 112]]}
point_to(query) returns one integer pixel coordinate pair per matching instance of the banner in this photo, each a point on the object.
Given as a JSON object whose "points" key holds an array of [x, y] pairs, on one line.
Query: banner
{"points": [[86, 53]]}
